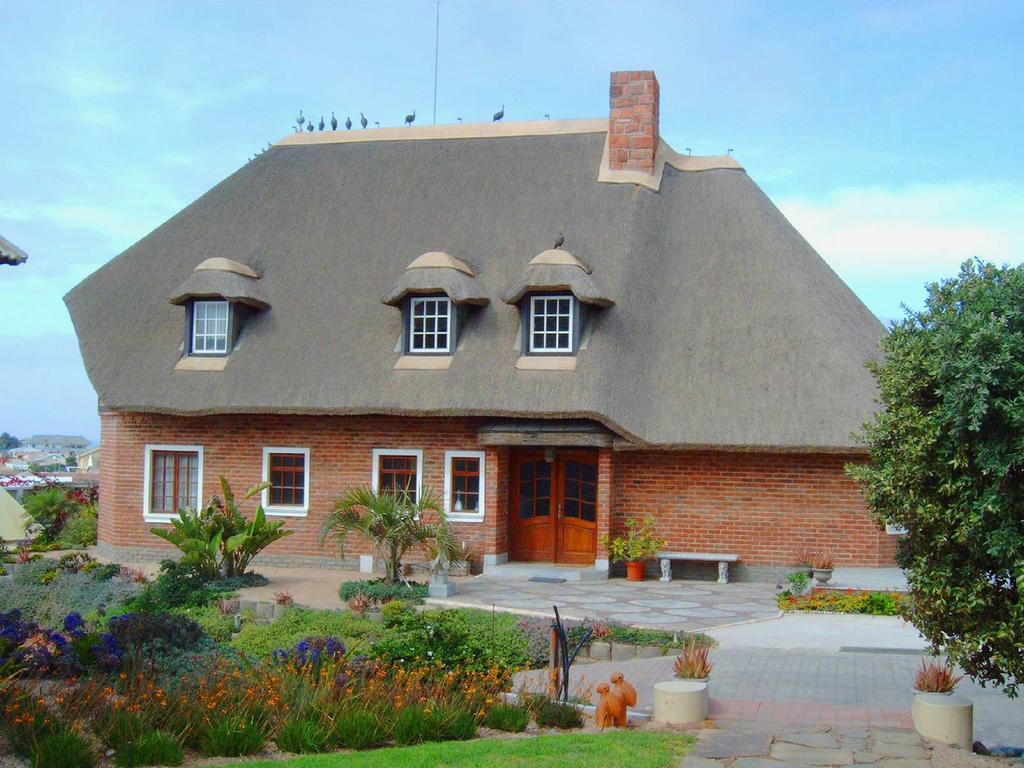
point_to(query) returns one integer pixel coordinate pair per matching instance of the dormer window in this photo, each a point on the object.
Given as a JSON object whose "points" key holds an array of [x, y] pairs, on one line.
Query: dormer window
{"points": [[553, 323], [431, 326], [210, 327]]}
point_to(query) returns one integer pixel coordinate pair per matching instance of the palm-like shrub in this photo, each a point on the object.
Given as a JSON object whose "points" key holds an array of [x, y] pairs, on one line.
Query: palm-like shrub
{"points": [[50, 508], [219, 538], [394, 523]]}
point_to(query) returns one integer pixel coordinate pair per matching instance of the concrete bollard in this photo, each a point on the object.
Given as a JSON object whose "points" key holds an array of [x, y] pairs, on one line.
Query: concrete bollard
{"points": [[677, 702], [945, 718]]}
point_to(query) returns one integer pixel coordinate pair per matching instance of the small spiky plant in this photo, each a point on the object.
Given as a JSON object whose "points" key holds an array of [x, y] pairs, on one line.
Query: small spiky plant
{"points": [[936, 677], [694, 662]]}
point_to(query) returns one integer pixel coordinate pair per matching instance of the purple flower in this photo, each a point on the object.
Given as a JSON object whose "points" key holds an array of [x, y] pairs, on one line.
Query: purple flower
{"points": [[74, 625]]}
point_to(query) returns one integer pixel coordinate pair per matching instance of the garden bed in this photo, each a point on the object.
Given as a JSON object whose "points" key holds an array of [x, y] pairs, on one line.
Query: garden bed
{"points": [[850, 601]]}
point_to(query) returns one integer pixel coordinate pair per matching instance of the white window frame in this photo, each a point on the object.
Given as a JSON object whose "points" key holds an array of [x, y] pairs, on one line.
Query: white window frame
{"points": [[468, 517], [447, 350], [227, 328], [147, 477], [572, 313], [286, 510], [417, 452], [895, 530]]}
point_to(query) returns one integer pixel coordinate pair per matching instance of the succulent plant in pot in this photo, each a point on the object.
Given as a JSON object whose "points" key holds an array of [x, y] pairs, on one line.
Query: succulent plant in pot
{"points": [[633, 549], [823, 563], [937, 714]]}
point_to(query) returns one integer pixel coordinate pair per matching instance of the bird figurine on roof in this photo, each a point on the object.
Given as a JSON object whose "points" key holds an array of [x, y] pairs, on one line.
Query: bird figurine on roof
{"points": [[559, 241], [334, 122], [309, 126], [362, 120], [499, 114], [300, 119], [348, 124], [321, 126], [410, 118]]}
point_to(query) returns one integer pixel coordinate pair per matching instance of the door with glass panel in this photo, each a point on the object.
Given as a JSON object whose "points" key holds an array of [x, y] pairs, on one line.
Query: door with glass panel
{"points": [[553, 511]]}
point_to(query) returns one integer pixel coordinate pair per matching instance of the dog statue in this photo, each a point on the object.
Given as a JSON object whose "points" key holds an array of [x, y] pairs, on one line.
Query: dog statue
{"points": [[611, 709], [624, 689]]}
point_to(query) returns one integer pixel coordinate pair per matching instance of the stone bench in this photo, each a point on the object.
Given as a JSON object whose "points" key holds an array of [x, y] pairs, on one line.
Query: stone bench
{"points": [[723, 561]]}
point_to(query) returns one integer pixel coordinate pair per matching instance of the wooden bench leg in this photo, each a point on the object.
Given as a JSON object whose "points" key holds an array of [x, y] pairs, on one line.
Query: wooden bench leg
{"points": [[666, 569], [723, 573]]}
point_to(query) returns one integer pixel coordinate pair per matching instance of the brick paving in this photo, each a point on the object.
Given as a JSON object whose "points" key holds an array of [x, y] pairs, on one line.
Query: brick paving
{"points": [[810, 687], [675, 605]]}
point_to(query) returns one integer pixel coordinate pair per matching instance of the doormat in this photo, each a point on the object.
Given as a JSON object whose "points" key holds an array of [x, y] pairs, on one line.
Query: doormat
{"points": [[548, 579]]}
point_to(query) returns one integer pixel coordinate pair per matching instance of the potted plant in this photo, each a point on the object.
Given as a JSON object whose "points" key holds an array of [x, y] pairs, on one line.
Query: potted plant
{"points": [[685, 699], [804, 557], [937, 713], [639, 544], [694, 662], [823, 563]]}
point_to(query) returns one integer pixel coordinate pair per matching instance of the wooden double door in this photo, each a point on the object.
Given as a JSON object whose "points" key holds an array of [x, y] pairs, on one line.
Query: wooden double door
{"points": [[553, 507]]}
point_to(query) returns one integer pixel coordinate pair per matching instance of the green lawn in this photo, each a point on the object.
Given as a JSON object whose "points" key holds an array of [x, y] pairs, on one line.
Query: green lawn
{"points": [[611, 749]]}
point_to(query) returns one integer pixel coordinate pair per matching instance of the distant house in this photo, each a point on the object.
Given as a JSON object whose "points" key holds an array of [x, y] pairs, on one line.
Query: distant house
{"points": [[395, 308], [89, 461], [10, 253], [55, 443]]}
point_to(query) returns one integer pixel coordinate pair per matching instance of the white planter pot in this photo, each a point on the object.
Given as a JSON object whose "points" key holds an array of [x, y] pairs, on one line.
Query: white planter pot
{"points": [[944, 717], [677, 702]]}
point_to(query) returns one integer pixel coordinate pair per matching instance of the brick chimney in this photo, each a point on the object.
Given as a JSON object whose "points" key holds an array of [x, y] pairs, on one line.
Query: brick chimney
{"points": [[633, 121]]}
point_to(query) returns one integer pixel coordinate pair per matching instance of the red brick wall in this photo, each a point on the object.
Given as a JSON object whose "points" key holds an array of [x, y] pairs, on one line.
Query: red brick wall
{"points": [[341, 455], [633, 121], [763, 507]]}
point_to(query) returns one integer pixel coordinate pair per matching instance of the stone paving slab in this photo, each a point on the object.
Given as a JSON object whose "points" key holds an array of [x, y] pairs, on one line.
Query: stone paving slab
{"points": [[676, 606]]}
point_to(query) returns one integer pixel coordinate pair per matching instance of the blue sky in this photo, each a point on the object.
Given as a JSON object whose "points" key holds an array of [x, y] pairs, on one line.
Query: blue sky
{"points": [[889, 133]]}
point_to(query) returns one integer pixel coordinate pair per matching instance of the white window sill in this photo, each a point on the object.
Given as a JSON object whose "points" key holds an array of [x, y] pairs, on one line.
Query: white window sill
{"points": [[536, 362], [457, 517], [286, 511], [161, 518]]}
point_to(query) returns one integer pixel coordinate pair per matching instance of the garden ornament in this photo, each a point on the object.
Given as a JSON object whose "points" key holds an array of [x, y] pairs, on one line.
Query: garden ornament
{"points": [[624, 689], [611, 709]]}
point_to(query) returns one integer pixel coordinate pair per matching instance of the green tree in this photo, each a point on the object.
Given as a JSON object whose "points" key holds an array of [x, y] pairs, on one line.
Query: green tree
{"points": [[8, 441], [394, 523], [947, 464]]}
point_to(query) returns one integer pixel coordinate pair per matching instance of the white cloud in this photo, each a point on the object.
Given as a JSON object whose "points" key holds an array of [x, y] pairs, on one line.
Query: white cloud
{"points": [[919, 231]]}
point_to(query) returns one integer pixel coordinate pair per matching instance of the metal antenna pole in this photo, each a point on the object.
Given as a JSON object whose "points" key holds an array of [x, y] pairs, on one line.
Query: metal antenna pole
{"points": [[437, 37]]}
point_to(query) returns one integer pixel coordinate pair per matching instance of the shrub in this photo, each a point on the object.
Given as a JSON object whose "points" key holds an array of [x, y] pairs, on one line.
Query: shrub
{"points": [[219, 539], [26, 721], [48, 604], [233, 736], [79, 530], [136, 630], [50, 508], [693, 663], [296, 624], [412, 726], [936, 677], [219, 626], [304, 735], [946, 450], [359, 729], [117, 728], [73, 562], [507, 717], [178, 585], [453, 722], [63, 750], [152, 748], [382, 591], [555, 714], [798, 581], [395, 612]]}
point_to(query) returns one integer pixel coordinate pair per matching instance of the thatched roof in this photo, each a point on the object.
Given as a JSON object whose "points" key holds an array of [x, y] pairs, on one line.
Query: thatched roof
{"points": [[437, 272], [555, 270], [222, 278], [10, 253], [727, 331]]}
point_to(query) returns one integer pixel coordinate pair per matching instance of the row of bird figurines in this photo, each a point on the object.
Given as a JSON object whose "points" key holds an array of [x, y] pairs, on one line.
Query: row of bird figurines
{"points": [[409, 120], [613, 701]]}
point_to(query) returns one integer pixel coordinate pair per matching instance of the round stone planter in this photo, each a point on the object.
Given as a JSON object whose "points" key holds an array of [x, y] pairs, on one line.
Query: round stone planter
{"points": [[822, 575], [944, 717], [677, 702]]}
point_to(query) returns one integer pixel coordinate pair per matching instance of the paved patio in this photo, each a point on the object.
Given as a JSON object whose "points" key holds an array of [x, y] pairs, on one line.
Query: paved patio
{"points": [[676, 605], [868, 687]]}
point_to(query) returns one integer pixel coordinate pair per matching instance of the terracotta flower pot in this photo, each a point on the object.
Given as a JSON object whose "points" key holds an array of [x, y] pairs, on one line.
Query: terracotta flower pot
{"points": [[635, 571]]}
